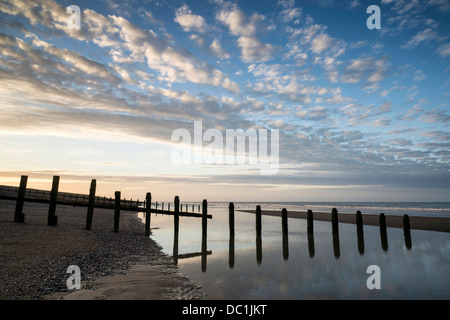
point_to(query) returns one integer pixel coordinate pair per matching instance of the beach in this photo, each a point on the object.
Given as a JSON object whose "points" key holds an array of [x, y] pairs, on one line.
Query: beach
{"points": [[126, 265], [393, 221]]}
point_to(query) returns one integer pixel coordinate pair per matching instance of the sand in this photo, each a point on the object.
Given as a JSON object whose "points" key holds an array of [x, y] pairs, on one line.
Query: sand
{"points": [[126, 265], [393, 221]]}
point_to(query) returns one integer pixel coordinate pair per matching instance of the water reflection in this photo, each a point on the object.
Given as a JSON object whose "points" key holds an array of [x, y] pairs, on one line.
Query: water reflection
{"points": [[285, 237], [335, 267], [258, 248], [231, 252], [203, 253], [311, 249]]}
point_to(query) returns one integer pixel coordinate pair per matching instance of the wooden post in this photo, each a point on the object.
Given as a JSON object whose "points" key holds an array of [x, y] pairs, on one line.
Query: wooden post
{"points": [[19, 216], [284, 221], [90, 210], [383, 232], [204, 233], [168, 209], [284, 228], [176, 216], [231, 218], [52, 219], [258, 220], [359, 221], [310, 221], [117, 211], [148, 202], [204, 217], [407, 231], [360, 232], [334, 220]]}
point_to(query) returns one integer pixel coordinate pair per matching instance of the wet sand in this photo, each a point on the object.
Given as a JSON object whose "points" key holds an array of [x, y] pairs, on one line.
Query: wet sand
{"points": [[393, 221]]}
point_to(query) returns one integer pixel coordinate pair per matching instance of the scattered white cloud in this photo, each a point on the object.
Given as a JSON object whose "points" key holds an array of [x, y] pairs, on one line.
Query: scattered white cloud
{"points": [[239, 24], [188, 21]]}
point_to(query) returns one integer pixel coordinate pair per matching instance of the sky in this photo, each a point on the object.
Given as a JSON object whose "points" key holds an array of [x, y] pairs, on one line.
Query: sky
{"points": [[362, 114]]}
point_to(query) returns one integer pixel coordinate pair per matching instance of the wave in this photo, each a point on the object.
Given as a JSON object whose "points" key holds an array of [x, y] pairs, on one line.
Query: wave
{"points": [[426, 209]]}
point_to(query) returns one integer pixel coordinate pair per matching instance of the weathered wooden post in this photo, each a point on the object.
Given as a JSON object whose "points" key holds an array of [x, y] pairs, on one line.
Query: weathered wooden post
{"points": [[258, 220], [19, 216], [90, 210], [204, 218], [383, 232], [116, 211], [176, 223], [359, 221], [168, 209], [407, 231], [284, 221], [148, 202], [204, 233], [310, 221], [284, 228], [334, 220], [360, 231], [176, 216], [231, 218], [52, 219]]}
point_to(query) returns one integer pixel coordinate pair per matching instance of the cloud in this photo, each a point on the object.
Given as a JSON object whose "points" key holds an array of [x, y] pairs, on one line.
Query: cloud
{"points": [[369, 69], [422, 36], [252, 49], [188, 21], [444, 50], [290, 12], [322, 43], [173, 64], [217, 49]]}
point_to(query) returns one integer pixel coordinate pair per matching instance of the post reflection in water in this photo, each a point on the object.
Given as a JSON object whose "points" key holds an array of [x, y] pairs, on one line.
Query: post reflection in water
{"points": [[336, 246], [285, 237], [231, 252], [204, 252], [311, 249]]}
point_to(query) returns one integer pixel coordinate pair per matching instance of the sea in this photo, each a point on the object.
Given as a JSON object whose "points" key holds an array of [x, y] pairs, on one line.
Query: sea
{"points": [[298, 265]]}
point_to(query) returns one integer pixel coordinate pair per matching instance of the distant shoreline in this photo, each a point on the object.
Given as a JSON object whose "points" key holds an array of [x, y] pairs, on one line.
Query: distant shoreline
{"points": [[393, 221]]}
